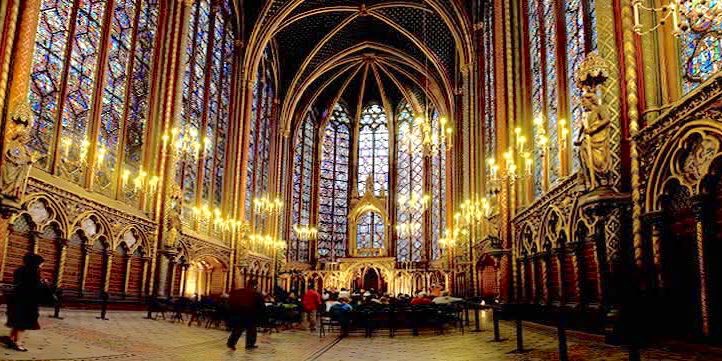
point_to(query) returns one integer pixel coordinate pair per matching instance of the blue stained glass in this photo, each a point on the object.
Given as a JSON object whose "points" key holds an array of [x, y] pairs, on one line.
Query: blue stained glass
{"points": [[438, 191], [333, 199], [551, 87], [410, 182], [48, 61], [373, 145], [303, 182]]}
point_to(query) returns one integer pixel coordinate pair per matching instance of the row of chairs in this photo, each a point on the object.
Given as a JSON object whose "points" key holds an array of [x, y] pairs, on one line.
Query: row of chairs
{"points": [[370, 319]]}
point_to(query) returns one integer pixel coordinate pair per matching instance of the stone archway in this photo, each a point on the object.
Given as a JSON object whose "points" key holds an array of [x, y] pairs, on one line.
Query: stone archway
{"points": [[205, 276]]}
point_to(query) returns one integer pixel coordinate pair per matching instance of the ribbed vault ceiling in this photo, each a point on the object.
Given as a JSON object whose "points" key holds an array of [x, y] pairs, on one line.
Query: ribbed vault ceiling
{"points": [[363, 50]]}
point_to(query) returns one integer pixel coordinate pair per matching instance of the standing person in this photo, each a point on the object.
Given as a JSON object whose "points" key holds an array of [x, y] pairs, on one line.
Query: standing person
{"points": [[311, 302], [23, 306], [246, 306]]}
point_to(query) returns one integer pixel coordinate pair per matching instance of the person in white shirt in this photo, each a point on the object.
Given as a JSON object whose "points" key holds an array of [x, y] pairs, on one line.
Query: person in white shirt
{"points": [[444, 299], [344, 293]]}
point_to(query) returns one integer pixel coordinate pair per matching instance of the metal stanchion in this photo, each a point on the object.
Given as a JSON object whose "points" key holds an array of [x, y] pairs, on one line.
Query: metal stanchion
{"points": [[562, 335], [519, 335], [58, 304], [519, 331], [495, 320], [634, 354], [477, 326], [103, 306], [466, 313]]}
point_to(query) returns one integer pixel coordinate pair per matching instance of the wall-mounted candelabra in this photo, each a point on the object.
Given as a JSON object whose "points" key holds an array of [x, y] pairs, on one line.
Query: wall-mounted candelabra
{"points": [[684, 15]]}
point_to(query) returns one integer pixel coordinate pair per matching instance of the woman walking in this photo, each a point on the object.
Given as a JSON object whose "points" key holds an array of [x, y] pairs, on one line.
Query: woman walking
{"points": [[23, 306]]}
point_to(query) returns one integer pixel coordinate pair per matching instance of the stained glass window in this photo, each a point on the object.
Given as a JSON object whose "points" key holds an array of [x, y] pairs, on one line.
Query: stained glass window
{"points": [[551, 84], [409, 183], [578, 46], [701, 53], [438, 189], [259, 144], [334, 186], [64, 88], [302, 184], [206, 99], [373, 148], [489, 85], [537, 83], [370, 233], [579, 21]]}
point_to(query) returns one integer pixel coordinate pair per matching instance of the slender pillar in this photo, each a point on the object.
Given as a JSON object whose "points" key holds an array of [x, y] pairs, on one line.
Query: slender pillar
{"points": [[144, 281], [127, 274], [656, 223], [701, 266], [171, 286], [62, 255], [559, 258], [87, 248], [108, 268]]}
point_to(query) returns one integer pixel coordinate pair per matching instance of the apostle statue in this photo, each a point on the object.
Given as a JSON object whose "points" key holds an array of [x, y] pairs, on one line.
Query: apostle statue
{"points": [[594, 136], [174, 224], [17, 158], [593, 142]]}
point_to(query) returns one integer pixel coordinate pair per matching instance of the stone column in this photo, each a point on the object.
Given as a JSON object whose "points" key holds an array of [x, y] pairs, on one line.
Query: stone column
{"points": [[578, 266], [144, 281], [164, 260], [62, 256], [127, 274], [548, 276], [698, 208], [108, 268], [87, 248], [656, 224], [559, 258], [171, 269]]}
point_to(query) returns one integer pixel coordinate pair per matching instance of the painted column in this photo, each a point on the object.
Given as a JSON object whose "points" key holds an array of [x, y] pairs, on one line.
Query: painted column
{"points": [[87, 248], [698, 208], [144, 281], [108, 268], [62, 256], [656, 223], [559, 258], [127, 275], [171, 269]]}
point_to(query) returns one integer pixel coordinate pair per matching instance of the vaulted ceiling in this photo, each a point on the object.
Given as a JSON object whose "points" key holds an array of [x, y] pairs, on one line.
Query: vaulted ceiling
{"points": [[362, 50]]}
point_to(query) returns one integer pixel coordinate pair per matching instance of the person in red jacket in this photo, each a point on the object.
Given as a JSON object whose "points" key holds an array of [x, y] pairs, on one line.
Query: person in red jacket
{"points": [[247, 307], [421, 299], [311, 302]]}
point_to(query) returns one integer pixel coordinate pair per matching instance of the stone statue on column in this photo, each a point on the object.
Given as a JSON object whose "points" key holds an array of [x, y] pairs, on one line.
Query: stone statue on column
{"points": [[17, 157], [594, 136], [173, 226]]}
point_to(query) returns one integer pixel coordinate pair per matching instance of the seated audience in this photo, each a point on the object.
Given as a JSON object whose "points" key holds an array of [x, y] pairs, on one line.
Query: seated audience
{"points": [[421, 299], [445, 299]]}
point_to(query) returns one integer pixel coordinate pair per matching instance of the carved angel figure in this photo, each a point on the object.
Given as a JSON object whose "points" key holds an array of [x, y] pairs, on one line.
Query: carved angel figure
{"points": [[593, 142]]}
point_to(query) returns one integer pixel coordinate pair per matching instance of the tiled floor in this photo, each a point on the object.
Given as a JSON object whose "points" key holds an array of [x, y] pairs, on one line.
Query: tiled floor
{"points": [[129, 337]]}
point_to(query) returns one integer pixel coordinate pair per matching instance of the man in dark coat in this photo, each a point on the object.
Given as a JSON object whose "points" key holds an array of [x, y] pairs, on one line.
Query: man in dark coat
{"points": [[23, 306], [246, 308]]}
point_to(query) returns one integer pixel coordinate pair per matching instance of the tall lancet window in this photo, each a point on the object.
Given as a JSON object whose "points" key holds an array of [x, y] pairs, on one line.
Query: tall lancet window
{"points": [[409, 186], [373, 149], [205, 112], [438, 188], [302, 191], [559, 27], [334, 187], [91, 77], [259, 136]]}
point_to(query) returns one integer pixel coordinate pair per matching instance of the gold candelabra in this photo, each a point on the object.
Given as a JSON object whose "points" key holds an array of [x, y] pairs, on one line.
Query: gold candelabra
{"points": [[685, 15]]}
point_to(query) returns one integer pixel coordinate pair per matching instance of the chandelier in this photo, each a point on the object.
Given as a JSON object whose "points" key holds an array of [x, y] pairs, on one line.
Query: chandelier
{"points": [[685, 15], [305, 232], [407, 229]]}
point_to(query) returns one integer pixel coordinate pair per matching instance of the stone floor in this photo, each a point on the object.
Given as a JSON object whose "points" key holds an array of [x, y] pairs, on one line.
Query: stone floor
{"points": [[129, 337]]}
